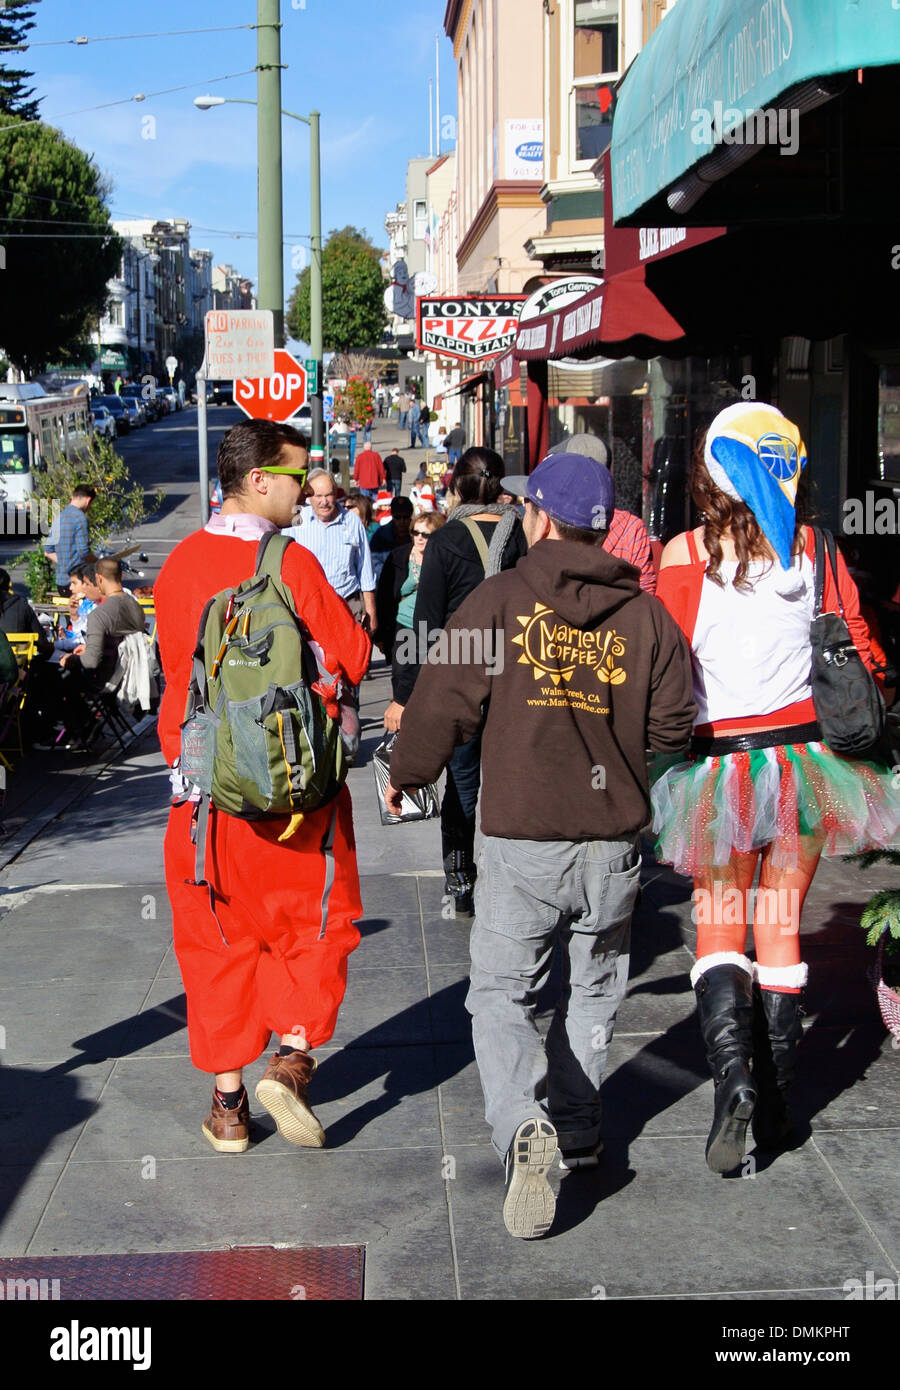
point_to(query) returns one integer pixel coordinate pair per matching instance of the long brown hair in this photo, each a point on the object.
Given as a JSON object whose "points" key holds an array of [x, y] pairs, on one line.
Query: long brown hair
{"points": [[722, 514]]}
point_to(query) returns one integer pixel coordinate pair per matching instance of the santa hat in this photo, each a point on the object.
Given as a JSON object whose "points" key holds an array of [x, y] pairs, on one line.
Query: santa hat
{"points": [[427, 500], [754, 455], [382, 505]]}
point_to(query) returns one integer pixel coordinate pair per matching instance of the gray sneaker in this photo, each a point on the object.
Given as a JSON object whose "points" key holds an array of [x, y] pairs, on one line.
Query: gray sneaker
{"points": [[529, 1204]]}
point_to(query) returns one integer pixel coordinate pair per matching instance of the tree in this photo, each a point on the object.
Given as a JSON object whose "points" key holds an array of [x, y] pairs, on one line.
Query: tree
{"points": [[16, 18], [353, 312], [120, 506], [60, 247]]}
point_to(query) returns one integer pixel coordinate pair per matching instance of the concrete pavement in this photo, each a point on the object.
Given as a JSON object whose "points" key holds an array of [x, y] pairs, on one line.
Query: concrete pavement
{"points": [[101, 1109]]}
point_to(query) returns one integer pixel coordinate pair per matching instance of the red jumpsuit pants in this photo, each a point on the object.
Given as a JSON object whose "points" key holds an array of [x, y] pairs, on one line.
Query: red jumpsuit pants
{"points": [[277, 957]]}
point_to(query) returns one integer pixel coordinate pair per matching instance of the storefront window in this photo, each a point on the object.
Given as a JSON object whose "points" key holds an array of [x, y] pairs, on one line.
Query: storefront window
{"points": [[595, 60], [649, 415], [889, 424]]}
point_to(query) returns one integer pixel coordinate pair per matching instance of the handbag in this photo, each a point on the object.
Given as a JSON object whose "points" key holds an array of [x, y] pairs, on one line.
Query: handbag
{"points": [[421, 803], [849, 707]]}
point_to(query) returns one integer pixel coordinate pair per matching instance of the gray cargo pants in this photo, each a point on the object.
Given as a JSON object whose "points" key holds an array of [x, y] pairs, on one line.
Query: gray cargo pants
{"points": [[529, 893]]}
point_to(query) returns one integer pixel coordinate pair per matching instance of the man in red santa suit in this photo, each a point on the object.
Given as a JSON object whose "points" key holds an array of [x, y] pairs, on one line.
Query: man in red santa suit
{"points": [[275, 961]]}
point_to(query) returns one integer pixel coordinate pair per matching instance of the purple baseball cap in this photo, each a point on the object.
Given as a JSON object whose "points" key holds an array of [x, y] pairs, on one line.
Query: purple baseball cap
{"points": [[571, 488]]}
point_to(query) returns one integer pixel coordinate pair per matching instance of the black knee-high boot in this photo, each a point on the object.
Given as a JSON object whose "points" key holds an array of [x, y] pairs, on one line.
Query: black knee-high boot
{"points": [[725, 1009], [777, 1030]]}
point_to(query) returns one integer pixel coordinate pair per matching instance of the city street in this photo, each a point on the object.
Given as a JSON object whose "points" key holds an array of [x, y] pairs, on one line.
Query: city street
{"points": [[625, 263], [102, 1108]]}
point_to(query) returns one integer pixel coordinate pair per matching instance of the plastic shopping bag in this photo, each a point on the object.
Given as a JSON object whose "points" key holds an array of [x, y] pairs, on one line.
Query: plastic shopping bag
{"points": [[421, 804]]}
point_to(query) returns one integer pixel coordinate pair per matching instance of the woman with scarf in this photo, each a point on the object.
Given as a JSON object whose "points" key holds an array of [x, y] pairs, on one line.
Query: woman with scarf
{"points": [[759, 787], [480, 539]]}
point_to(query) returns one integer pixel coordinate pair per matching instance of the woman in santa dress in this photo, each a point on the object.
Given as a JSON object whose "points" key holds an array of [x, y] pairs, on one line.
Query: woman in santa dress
{"points": [[760, 788]]}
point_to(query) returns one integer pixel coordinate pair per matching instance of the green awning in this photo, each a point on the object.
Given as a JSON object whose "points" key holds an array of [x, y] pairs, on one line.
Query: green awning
{"points": [[711, 63]]}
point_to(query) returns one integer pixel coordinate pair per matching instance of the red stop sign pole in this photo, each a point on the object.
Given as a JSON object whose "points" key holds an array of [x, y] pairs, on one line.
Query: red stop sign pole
{"points": [[275, 397]]}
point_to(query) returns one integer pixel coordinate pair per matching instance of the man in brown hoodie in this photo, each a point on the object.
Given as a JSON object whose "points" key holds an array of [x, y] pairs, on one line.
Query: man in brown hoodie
{"points": [[571, 671]]}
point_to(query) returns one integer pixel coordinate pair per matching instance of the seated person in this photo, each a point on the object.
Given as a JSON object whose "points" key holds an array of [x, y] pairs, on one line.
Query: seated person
{"points": [[117, 614], [81, 604], [17, 615]]}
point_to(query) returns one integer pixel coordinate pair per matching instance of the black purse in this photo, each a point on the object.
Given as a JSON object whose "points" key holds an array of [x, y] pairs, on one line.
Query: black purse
{"points": [[849, 707]]}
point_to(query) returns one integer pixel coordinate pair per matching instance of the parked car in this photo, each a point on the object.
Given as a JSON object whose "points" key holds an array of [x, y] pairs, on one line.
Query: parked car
{"points": [[117, 410], [222, 392], [103, 421], [135, 410], [302, 421], [149, 404], [171, 398]]}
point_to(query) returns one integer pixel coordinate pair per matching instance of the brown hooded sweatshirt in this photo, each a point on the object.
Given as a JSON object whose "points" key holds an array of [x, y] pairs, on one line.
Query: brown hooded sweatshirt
{"points": [[573, 672]]}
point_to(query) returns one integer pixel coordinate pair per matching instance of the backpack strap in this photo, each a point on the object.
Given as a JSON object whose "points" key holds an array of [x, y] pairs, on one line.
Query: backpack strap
{"points": [[481, 544], [270, 554]]}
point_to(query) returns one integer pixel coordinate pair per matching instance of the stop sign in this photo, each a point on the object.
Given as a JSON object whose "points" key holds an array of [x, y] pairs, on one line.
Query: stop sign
{"points": [[276, 397]]}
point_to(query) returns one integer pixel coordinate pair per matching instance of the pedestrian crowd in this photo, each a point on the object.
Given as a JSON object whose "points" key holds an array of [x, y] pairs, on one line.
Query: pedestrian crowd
{"points": [[562, 684]]}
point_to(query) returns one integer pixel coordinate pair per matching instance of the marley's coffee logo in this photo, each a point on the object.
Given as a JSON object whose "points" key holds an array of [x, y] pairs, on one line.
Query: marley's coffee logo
{"points": [[556, 650]]}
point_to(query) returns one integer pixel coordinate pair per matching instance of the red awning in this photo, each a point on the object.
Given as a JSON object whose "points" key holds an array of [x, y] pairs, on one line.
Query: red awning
{"points": [[468, 383], [622, 315]]}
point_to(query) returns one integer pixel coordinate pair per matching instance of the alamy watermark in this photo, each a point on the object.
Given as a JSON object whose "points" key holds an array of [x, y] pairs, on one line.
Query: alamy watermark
{"points": [[872, 1290], [871, 516], [728, 906], [24, 1290], [460, 646], [36, 518], [770, 126]]}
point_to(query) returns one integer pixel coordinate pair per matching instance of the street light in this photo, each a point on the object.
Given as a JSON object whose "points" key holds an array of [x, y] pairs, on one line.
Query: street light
{"points": [[316, 345]]}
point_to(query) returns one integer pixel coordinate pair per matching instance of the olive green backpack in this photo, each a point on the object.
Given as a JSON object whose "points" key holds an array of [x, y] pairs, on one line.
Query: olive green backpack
{"points": [[257, 738]]}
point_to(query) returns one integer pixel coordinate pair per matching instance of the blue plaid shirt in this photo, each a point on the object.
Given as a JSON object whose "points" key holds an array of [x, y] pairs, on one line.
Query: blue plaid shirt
{"points": [[73, 546], [341, 548]]}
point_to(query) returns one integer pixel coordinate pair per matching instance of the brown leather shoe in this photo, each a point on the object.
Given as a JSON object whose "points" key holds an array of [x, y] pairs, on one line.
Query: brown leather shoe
{"points": [[282, 1091], [228, 1130]]}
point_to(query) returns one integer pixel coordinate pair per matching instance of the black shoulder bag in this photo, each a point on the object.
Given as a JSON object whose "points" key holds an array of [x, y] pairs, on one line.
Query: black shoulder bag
{"points": [[849, 707]]}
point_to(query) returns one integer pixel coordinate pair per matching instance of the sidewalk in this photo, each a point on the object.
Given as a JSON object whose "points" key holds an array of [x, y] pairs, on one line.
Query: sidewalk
{"points": [[387, 437], [101, 1109]]}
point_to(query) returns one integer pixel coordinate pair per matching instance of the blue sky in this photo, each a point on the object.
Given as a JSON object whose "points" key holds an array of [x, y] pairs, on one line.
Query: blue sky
{"points": [[365, 64]]}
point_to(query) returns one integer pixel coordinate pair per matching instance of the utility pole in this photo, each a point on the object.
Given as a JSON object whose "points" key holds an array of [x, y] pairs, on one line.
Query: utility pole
{"points": [[316, 344], [437, 88], [270, 214]]}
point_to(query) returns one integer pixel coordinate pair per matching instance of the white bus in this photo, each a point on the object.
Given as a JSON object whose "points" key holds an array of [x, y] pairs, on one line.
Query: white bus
{"points": [[34, 429]]}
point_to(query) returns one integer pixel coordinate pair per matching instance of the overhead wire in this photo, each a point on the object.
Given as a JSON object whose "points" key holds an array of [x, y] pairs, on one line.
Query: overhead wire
{"points": [[83, 39], [124, 101]]}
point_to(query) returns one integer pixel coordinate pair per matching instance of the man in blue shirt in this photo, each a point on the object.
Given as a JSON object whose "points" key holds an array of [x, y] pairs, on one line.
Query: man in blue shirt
{"points": [[337, 538], [72, 544]]}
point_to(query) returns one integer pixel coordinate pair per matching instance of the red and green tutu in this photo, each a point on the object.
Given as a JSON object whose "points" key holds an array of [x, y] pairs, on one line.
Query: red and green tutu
{"points": [[706, 808]]}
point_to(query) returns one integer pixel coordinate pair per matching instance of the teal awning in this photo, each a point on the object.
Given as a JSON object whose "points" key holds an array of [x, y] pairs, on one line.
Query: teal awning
{"points": [[718, 60]]}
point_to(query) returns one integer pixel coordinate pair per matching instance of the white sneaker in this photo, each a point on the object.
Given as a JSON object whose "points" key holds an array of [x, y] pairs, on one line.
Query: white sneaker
{"points": [[530, 1203]]}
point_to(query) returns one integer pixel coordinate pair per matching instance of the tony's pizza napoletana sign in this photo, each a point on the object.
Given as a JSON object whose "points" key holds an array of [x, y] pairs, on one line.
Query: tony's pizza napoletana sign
{"points": [[469, 327]]}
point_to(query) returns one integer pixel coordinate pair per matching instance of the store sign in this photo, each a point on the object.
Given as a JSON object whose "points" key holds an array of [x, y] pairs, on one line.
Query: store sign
{"points": [[469, 328], [525, 149], [110, 358], [627, 247], [558, 295]]}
